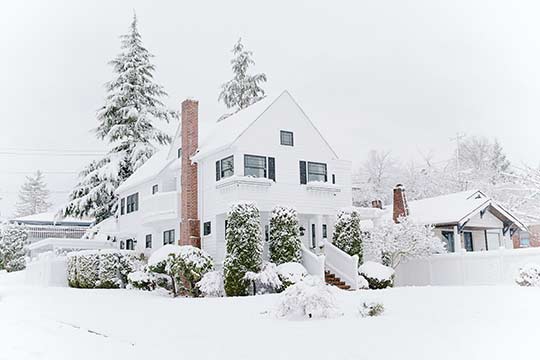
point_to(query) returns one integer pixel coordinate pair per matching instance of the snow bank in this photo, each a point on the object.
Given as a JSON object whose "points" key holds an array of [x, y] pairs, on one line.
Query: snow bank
{"points": [[376, 271], [291, 272]]}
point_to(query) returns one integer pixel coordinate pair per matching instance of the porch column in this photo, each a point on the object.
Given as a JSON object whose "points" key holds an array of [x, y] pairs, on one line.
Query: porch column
{"points": [[457, 240]]}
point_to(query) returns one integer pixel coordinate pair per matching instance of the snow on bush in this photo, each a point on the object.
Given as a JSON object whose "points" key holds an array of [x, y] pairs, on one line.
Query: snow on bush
{"points": [[243, 247], [106, 268], [377, 275], [347, 234], [142, 280], [285, 244], [308, 299], [371, 309], [185, 266], [13, 239], [290, 273], [211, 284], [405, 240], [529, 275], [362, 282], [266, 281]]}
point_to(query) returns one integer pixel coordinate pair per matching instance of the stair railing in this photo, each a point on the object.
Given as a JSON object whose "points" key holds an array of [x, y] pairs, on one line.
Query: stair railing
{"points": [[313, 263], [341, 264]]}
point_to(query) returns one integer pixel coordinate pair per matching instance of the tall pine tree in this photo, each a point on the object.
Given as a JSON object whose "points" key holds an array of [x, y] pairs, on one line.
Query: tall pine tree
{"points": [[33, 196], [133, 105], [243, 90]]}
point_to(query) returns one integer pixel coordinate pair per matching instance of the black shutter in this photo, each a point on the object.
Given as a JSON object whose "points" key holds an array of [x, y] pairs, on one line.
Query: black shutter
{"points": [[218, 172], [333, 178], [303, 172], [272, 168]]}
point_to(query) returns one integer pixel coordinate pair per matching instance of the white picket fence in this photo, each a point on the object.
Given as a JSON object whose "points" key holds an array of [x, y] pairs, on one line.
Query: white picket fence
{"points": [[47, 269], [467, 268]]}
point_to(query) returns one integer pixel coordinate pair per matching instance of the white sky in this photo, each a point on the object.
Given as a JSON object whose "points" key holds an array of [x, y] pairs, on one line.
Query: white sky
{"points": [[398, 75]]}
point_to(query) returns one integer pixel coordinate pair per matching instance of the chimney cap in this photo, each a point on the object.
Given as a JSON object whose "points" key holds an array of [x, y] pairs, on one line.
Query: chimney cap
{"points": [[399, 186]]}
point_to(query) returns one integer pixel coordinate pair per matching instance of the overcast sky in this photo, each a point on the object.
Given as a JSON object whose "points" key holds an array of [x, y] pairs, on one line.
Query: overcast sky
{"points": [[398, 75]]}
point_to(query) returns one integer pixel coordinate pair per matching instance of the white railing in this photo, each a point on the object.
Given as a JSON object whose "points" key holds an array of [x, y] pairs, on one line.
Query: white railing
{"points": [[160, 206], [313, 263], [342, 264]]}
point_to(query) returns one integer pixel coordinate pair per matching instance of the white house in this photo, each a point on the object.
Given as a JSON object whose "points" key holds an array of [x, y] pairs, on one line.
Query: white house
{"points": [[269, 153], [465, 221]]}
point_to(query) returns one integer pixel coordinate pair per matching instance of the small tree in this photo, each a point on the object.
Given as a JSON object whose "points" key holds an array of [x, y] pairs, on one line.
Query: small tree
{"points": [[13, 239], [285, 243], [33, 196], [243, 90], [402, 241], [347, 234], [244, 247]]}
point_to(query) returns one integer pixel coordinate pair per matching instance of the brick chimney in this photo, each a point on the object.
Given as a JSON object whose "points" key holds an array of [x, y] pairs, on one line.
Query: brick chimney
{"points": [[400, 203], [377, 204], [189, 227]]}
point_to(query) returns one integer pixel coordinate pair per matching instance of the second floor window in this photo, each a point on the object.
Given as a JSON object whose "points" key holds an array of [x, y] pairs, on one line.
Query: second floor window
{"points": [[155, 189], [317, 172], [132, 203], [122, 206], [148, 241], [224, 168], [168, 237], [255, 166]]}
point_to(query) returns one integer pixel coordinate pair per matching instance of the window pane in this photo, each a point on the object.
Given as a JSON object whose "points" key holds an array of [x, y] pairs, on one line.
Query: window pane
{"points": [[286, 138], [317, 172], [254, 166], [227, 167]]}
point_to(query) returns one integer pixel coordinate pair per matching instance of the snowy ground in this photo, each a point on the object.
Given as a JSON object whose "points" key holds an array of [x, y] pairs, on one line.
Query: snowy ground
{"points": [[419, 323]]}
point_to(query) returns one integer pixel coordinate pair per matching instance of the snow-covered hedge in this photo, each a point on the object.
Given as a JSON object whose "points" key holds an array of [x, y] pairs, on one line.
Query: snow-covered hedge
{"points": [[290, 273], [142, 280], [308, 299], [285, 244], [244, 247], [529, 275], [266, 281], [106, 268], [211, 284], [377, 275], [185, 266], [13, 240]]}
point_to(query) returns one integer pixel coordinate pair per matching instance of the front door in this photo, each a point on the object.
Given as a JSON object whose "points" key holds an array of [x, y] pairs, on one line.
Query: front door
{"points": [[467, 241]]}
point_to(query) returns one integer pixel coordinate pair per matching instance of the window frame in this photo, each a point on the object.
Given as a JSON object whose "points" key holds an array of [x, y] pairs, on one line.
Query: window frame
{"points": [[265, 168], [283, 137], [309, 174], [132, 203], [169, 235], [325, 231], [148, 240]]}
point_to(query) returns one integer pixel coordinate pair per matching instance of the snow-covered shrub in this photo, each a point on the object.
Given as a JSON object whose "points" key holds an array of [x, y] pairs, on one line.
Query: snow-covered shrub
{"points": [[266, 281], [142, 280], [185, 266], [285, 244], [347, 234], [244, 247], [290, 273], [402, 241], [377, 275], [528, 275], [105, 268], [211, 284], [307, 299], [13, 240], [362, 282], [371, 309]]}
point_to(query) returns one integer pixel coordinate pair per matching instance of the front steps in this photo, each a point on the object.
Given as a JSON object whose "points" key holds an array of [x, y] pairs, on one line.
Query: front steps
{"points": [[332, 279]]}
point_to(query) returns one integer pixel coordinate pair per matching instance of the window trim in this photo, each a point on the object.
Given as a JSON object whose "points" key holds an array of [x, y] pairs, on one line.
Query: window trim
{"points": [[316, 163], [282, 137], [265, 165]]}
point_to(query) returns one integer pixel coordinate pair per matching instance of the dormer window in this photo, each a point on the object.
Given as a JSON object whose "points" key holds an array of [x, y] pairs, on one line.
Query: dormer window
{"points": [[286, 138]]}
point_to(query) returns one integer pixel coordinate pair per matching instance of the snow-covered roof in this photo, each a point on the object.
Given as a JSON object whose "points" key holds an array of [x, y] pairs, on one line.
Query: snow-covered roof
{"points": [[148, 170], [52, 217], [455, 208]]}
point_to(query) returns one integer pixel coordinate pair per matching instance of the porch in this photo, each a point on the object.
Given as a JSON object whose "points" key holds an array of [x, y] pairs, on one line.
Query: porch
{"points": [[474, 238]]}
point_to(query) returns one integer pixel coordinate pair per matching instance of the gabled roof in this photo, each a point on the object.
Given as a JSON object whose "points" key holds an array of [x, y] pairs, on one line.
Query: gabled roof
{"points": [[455, 208]]}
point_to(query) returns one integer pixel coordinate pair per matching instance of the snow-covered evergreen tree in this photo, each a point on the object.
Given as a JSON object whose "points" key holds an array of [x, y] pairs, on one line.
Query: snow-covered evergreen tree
{"points": [[244, 247], [347, 234], [127, 123], [244, 89], [33, 196], [285, 244], [13, 239]]}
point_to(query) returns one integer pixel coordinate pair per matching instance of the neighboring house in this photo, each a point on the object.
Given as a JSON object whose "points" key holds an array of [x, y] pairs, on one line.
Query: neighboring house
{"points": [[49, 225], [465, 221], [527, 238], [269, 153]]}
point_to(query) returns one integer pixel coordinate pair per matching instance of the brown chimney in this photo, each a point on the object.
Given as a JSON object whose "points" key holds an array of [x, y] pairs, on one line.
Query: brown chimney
{"points": [[377, 204], [400, 203], [189, 226]]}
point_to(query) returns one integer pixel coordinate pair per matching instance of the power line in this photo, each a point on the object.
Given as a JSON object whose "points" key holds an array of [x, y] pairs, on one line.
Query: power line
{"points": [[66, 172]]}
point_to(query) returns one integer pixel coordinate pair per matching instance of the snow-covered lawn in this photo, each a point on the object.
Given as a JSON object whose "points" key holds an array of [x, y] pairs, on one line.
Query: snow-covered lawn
{"points": [[419, 323]]}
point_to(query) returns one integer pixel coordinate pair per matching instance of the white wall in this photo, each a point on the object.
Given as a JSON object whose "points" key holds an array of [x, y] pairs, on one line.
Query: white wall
{"points": [[472, 268]]}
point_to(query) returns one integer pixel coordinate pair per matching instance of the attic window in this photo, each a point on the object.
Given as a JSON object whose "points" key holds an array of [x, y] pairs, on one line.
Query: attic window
{"points": [[287, 138]]}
